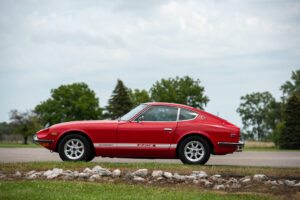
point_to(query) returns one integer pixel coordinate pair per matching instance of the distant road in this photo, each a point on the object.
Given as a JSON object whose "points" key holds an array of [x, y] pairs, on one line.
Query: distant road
{"points": [[246, 158]]}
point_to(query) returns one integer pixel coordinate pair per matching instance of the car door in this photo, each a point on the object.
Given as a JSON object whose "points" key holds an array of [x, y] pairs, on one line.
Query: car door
{"points": [[149, 133]]}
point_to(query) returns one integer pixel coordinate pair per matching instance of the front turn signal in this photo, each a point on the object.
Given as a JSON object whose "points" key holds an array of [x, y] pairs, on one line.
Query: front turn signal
{"points": [[45, 144]]}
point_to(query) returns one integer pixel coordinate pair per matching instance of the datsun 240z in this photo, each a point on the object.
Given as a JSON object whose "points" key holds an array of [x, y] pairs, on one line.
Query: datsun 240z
{"points": [[151, 130]]}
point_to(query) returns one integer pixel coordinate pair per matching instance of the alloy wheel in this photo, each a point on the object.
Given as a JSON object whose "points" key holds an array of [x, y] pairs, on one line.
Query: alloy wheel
{"points": [[74, 149], [194, 151]]}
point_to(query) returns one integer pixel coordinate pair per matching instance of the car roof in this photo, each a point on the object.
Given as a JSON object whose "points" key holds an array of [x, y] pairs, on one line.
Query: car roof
{"points": [[173, 104]]}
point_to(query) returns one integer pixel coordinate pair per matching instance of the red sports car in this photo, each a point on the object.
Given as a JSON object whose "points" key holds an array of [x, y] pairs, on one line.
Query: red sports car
{"points": [[151, 130]]}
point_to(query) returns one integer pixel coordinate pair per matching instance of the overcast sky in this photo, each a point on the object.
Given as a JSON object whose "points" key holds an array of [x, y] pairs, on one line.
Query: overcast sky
{"points": [[234, 47]]}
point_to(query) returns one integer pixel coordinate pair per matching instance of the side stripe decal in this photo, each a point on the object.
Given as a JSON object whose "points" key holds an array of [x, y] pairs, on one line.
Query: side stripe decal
{"points": [[137, 145]]}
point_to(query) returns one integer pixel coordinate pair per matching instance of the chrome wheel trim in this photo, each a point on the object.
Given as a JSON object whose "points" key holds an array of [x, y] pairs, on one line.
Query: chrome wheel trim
{"points": [[194, 151], [74, 149]]}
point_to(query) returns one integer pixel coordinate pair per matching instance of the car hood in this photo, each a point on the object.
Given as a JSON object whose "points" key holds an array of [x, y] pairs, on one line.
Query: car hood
{"points": [[78, 123]]}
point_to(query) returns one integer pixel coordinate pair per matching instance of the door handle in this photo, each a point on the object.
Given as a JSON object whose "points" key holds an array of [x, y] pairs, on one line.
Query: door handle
{"points": [[167, 129]]}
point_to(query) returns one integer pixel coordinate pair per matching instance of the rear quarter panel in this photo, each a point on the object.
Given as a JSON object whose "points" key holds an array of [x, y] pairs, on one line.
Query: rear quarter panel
{"points": [[216, 130]]}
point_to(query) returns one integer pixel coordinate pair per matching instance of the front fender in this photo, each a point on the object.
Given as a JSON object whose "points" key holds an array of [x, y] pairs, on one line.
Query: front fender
{"points": [[62, 133]]}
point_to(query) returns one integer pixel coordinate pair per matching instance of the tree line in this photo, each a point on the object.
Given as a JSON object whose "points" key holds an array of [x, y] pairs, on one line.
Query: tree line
{"points": [[263, 118], [78, 102]]}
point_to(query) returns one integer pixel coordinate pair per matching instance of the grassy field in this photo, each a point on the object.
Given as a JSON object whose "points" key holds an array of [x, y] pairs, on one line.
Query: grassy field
{"points": [[263, 146], [237, 171], [271, 149], [82, 190], [255, 144], [16, 145]]}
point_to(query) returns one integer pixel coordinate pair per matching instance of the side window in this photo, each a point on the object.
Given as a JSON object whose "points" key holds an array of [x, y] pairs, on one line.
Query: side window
{"points": [[161, 113], [186, 114]]}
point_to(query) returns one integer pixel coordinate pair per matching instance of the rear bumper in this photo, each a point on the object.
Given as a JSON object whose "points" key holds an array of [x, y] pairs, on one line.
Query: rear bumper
{"points": [[240, 145], [37, 140]]}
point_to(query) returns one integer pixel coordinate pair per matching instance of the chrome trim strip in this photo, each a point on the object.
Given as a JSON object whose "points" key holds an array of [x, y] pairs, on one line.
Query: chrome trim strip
{"points": [[36, 140], [136, 145], [188, 119], [104, 145], [178, 114], [231, 143]]}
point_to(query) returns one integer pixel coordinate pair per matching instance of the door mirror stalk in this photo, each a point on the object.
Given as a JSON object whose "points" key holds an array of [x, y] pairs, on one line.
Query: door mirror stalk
{"points": [[140, 119]]}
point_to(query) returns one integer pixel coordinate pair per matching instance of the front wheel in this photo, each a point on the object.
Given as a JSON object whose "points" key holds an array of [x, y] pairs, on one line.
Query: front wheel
{"points": [[91, 156], [74, 148], [194, 150]]}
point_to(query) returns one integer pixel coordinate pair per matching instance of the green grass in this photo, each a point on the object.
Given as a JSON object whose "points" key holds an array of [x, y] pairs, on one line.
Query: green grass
{"points": [[180, 168], [15, 145], [82, 190], [270, 149]]}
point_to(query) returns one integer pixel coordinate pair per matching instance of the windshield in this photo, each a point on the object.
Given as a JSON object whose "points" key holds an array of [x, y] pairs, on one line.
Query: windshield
{"points": [[133, 112]]}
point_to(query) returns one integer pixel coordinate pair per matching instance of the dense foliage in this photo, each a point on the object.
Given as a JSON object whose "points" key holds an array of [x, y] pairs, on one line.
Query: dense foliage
{"points": [[292, 87], [24, 123], [69, 103], [289, 136], [253, 111], [287, 131], [119, 103], [5, 129], [183, 90], [264, 118], [138, 96]]}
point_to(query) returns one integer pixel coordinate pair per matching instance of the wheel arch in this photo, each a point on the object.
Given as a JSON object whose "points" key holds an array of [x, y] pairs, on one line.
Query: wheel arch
{"points": [[78, 132], [209, 141]]}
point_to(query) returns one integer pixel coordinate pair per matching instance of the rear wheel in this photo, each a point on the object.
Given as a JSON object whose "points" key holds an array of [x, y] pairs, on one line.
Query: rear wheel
{"points": [[74, 148], [194, 150]]}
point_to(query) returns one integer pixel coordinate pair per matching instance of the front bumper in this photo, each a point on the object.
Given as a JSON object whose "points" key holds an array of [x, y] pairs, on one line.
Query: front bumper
{"points": [[240, 145], [36, 140]]}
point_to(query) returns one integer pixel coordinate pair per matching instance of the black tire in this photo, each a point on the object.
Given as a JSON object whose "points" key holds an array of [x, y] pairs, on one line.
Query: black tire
{"points": [[201, 157], [82, 144], [91, 156]]}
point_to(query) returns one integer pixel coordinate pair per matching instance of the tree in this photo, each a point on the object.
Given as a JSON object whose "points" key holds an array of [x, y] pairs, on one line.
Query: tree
{"points": [[138, 96], [254, 111], [290, 87], [69, 103], [290, 135], [119, 104], [277, 132], [5, 129], [183, 90], [24, 123], [275, 113], [274, 119]]}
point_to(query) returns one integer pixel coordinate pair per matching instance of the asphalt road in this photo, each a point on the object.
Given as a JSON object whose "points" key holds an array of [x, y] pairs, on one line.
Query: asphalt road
{"points": [[246, 158]]}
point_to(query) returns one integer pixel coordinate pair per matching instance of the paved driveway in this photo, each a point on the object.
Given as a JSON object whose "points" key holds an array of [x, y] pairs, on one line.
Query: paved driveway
{"points": [[246, 158]]}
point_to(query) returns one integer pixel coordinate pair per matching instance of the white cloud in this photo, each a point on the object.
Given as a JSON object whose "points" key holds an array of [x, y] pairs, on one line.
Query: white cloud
{"points": [[234, 47]]}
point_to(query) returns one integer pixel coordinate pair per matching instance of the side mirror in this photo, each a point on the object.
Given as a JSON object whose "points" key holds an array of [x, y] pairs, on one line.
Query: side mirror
{"points": [[140, 119]]}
